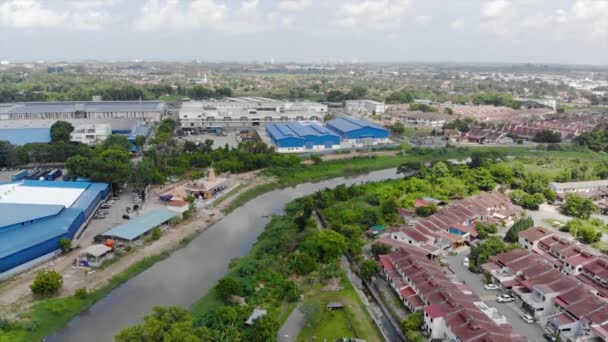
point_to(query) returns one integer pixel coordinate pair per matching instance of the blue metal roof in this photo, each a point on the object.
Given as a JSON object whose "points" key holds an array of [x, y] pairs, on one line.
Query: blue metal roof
{"points": [[11, 213], [22, 136], [140, 225], [347, 124], [15, 240], [87, 106]]}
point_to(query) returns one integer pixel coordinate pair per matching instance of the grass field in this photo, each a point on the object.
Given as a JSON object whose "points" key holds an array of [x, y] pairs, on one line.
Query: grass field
{"points": [[50, 315]]}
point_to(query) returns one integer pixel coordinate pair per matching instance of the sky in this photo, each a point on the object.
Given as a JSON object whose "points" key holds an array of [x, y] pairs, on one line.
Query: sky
{"points": [[513, 31]]}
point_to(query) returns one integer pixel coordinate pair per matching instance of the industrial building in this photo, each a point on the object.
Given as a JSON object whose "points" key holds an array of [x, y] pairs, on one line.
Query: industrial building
{"points": [[139, 226], [120, 114], [302, 137], [363, 107], [35, 215], [358, 132], [246, 112], [91, 134]]}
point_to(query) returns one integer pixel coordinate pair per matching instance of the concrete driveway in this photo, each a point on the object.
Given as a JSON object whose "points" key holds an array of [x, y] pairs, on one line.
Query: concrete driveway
{"points": [[511, 311]]}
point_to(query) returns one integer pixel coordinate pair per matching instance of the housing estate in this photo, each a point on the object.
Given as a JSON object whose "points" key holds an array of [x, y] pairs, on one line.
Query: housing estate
{"points": [[560, 282], [452, 312]]}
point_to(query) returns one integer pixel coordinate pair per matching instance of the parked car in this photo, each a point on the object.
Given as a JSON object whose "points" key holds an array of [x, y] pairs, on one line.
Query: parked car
{"points": [[129, 209], [465, 262], [490, 287], [103, 212], [98, 217], [106, 206], [126, 217], [504, 298], [527, 318], [550, 337]]}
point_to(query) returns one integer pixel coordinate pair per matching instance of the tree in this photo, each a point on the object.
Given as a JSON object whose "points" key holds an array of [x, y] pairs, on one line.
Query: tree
{"points": [[426, 211], [60, 131], [398, 128], [327, 245], [578, 206], [302, 263], [78, 166], [401, 96], [379, 248], [165, 324], [461, 125], [491, 246], [526, 200], [264, 329], [388, 207], [47, 283], [548, 136], [369, 268], [140, 140], [412, 326], [111, 166], [422, 107], [156, 233], [229, 286], [519, 226], [66, 244], [587, 231], [356, 93], [485, 229], [550, 195]]}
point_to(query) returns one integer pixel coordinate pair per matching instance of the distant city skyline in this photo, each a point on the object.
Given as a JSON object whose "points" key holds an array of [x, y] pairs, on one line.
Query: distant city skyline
{"points": [[467, 31]]}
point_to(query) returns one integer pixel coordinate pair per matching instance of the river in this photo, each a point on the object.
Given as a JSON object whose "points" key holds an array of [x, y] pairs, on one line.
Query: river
{"points": [[190, 272]]}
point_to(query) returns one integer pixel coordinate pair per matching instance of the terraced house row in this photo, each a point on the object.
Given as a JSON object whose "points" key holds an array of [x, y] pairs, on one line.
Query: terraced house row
{"points": [[452, 312], [560, 282], [454, 225]]}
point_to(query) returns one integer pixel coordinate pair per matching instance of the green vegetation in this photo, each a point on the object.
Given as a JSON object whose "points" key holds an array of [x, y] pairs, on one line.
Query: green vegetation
{"points": [[518, 227], [461, 125], [48, 315], [482, 252], [412, 327], [578, 206], [485, 229], [422, 107], [595, 140], [66, 244], [369, 268], [47, 283], [60, 131], [586, 231], [548, 136]]}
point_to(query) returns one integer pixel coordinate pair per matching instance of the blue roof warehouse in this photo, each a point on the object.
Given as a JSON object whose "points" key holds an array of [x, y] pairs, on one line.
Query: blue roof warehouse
{"points": [[302, 137], [35, 215], [358, 131]]}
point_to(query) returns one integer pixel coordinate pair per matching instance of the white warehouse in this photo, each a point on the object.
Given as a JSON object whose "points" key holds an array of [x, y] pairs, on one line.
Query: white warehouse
{"points": [[362, 107], [247, 112]]}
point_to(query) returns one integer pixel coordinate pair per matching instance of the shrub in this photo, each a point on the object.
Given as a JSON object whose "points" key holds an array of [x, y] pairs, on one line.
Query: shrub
{"points": [[156, 234], [47, 283], [66, 244], [81, 293]]}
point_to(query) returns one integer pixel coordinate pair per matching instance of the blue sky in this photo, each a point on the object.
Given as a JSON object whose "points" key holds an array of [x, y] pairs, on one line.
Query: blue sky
{"points": [[536, 31]]}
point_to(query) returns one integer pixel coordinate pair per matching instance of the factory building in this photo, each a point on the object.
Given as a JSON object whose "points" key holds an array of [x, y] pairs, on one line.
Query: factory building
{"points": [[120, 114], [246, 112], [362, 107], [36, 215], [358, 132], [302, 137], [91, 134]]}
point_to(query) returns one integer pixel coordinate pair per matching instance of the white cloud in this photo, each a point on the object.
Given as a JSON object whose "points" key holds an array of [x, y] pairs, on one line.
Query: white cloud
{"points": [[294, 5], [422, 19], [494, 8], [457, 24], [178, 15], [371, 15], [33, 14]]}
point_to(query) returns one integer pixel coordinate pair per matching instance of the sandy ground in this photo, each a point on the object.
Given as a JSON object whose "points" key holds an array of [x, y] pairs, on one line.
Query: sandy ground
{"points": [[15, 294]]}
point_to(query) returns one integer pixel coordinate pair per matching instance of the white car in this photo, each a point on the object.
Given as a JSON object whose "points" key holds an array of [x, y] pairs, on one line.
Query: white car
{"points": [[490, 287], [465, 262], [527, 318], [504, 298]]}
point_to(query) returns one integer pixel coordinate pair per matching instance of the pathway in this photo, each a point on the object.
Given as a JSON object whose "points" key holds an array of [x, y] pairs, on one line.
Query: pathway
{"points": [[291, 328]]}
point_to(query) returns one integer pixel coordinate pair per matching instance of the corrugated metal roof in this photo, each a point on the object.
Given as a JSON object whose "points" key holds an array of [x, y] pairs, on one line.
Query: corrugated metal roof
{"points": [[87, 106], [347, 124], [298, 130], [140, 225], [22, 136], [11, 213]]}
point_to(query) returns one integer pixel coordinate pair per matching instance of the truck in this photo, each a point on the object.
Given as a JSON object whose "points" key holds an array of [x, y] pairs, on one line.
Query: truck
{"points": [[20, 175], [54, 174]]}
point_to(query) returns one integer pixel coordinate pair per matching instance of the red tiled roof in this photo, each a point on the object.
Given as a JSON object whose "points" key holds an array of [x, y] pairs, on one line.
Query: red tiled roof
{"points": [[419, 203], [406, 212], [535, 233], [563, 319], [434, 311], [415, 301], [415, 234], [406, 292]]}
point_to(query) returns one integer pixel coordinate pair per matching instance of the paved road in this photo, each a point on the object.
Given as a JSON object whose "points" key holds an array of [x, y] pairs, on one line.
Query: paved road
{"points": [[291, 328], [511, 311]]}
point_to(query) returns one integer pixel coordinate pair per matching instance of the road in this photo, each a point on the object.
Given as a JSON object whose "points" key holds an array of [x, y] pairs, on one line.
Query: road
{"points": [[291, 328], [511, 311]]}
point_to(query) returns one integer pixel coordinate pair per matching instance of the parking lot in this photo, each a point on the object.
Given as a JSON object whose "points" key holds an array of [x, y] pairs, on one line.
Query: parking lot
{"points": [[218, 140], [511, 311], [111, 220]]}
